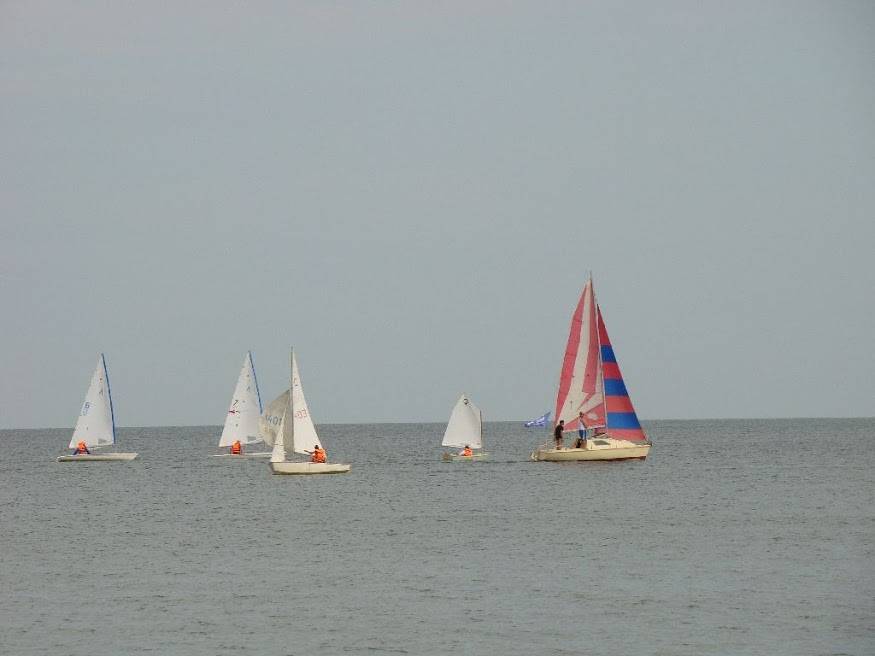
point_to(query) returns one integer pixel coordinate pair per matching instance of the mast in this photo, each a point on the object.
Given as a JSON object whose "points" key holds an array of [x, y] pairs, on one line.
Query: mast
{"points": [[598, 338], [109, 396], [291, 407], [482, 445], [255, 378]]}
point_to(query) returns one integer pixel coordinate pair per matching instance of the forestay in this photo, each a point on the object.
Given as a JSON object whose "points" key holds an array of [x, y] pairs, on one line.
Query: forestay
{"points": [[242, 422], [96, 423], [464, 427]]}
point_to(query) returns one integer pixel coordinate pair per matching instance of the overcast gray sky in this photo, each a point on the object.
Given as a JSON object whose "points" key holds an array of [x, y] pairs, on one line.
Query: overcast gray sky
{"points": [[412, 194]]}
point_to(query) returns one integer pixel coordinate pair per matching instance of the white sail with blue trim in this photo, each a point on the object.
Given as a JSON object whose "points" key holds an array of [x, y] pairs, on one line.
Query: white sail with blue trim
{"points": [[96, 424], [241, 422]]}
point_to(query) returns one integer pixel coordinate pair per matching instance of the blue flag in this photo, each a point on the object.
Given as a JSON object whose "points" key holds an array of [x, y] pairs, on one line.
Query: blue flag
{"points": [[540, 421]]}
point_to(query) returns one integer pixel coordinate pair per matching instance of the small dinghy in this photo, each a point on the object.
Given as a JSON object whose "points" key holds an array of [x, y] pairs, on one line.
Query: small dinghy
{"points": [[287, 425], [465, 429], [241, 422], [592, 395], [96, 423]]}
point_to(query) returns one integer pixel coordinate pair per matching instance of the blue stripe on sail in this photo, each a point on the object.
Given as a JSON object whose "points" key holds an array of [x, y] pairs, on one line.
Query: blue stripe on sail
{"points": [[608, 353], [623, 420], [615, 387]]}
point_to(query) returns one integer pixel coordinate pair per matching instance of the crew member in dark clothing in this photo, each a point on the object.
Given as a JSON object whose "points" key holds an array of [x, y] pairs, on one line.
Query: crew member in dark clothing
{"points": [[557, 433]]}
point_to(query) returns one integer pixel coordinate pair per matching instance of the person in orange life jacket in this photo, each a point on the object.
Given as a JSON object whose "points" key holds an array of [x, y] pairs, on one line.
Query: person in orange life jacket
{"points": [[466, 451], [81, 448], [318, 454], [557, 433], [236, 448]]}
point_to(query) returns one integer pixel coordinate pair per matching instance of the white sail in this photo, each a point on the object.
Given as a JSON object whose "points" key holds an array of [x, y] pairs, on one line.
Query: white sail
{"points": [[269, 422], [245, 410], [464, 427], [279, 452], [96, 423], [304, 436]]}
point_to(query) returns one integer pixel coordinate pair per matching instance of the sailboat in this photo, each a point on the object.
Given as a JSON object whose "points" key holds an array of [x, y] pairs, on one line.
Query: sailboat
{"points": [[465, 428], [592, 395], [241, 423], [287, 425], [96, 423]]}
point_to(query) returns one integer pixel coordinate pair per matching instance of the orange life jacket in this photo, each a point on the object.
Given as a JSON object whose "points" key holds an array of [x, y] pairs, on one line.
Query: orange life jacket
{"points": [[81, 447], [236, 449], [318, 456], [467, 451]]}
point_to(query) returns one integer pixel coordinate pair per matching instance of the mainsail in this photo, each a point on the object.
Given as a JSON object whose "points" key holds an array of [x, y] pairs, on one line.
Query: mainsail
{"points": [[303, 431], [96, 423], [622, 421], [242, 422], [464, 427], [580, 382]]}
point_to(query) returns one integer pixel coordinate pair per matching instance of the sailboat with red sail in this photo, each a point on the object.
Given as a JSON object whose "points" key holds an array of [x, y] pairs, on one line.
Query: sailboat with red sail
{"points": [[592, 398]]}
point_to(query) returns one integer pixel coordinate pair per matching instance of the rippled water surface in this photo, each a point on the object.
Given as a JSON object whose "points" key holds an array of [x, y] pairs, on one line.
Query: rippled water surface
{"points": [[734, 537]]}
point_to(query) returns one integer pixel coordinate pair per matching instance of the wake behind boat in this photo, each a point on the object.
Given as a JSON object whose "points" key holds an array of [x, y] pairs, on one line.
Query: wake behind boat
{"points": [[464, 431], [287, 425], [241, 422], [95, 427], [592, 396]]}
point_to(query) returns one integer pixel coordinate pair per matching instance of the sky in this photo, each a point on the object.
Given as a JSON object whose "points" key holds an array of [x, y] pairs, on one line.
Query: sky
{"points": [[413, 195]]}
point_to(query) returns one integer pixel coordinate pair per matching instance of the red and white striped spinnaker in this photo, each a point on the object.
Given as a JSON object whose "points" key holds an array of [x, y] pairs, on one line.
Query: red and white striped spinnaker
{"points": [[580, 383]]}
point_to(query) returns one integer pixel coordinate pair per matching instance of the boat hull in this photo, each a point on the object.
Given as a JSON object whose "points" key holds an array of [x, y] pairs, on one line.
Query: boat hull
{"points": [[598, 449], [308, 468], [243, 456], [455, 457], [98, 457]]}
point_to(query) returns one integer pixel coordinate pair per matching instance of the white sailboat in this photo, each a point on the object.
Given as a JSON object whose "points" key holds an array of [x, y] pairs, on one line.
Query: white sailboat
{"points": [[241, 423], [288, 426], [465, 429], [96, 423], [592, 396]]}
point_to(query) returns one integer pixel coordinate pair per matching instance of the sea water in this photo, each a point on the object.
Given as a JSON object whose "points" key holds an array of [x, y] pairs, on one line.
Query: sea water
{"points": [[733, 537]]}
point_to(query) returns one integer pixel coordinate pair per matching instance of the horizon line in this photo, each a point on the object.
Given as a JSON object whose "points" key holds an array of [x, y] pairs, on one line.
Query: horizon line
{"points": [[494, 421]]}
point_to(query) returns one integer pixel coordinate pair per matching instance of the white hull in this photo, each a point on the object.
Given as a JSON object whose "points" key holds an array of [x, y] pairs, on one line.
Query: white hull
{"points": [[455, 457], [308, 468], [98, 457], [243, 456], [600, 448]]}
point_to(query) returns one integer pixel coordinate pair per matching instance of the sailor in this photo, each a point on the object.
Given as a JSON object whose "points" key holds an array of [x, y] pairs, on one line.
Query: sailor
{"points": [[557, 433], [81, 448], [581, 432], [236, 448], [319, 454], [466, 451]]}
